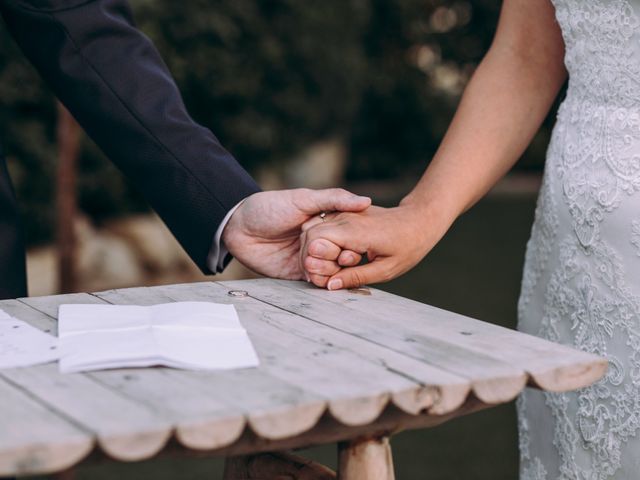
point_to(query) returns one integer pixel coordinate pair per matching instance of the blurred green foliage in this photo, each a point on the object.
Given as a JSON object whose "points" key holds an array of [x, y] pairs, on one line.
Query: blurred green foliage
{"points": [[268, 77]]}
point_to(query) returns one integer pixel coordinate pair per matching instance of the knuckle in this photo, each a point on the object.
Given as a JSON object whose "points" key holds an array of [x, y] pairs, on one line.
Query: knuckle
{"points": [[332, 268], [324, 267], [309, 264], [313, 236], [320, 267], [357, 279], [328, 268], [317, 247], [300, 194], [353, 259]]}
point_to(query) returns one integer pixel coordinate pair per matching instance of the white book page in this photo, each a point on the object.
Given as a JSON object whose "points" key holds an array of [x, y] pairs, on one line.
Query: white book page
{"points": [[22, 345], [131, 347], [202, 335], [193, 335], [208, 349], [78, 318], [105, 336], [196, 314]]}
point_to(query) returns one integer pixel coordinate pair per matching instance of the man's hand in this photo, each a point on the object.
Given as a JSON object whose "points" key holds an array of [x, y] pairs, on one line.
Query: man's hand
{"points": [[394, 240], [264, 232]]}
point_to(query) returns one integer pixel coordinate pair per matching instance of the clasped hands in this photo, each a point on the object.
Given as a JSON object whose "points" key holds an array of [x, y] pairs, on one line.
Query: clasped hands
{"points": [[392, 240], [281, 234]]}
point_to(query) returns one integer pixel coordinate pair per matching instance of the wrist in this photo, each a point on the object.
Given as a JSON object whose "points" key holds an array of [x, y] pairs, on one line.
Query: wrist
{"points": [[428, 213], [232, 230], [423, 226]]}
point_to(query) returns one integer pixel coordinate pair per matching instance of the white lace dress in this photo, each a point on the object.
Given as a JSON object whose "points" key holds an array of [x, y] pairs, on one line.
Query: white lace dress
{"points": [[581, 283]]}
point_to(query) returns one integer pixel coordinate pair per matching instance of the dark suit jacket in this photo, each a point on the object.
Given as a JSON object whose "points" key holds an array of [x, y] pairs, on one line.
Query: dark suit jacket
{"points": [[113, 81]]}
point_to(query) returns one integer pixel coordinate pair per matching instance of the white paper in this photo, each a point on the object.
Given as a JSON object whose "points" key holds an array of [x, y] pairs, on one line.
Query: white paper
{"points": [[188, 335], [22, 345]]}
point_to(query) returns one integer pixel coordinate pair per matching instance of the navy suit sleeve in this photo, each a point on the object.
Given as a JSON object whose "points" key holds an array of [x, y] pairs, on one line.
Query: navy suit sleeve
{"points": [[112, 79]]}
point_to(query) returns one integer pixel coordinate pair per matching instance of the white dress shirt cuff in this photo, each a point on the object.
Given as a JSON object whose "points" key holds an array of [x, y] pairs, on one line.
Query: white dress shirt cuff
{"points": [[219, 252]]}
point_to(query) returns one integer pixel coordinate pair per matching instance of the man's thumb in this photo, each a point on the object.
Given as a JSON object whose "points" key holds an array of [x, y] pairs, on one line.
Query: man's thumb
{"points": [[353, 277], [339, 200]]}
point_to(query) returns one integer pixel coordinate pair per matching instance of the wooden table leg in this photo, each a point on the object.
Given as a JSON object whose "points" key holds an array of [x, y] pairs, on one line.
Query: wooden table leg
{"points": [[365, 459], [275, 466]]}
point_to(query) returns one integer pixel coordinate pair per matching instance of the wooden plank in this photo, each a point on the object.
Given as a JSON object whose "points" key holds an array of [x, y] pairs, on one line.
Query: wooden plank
{"points": [[356, 389], [329, 430], [376, 317], [217, 400], [17, 309], [551, 366], [124, 429], [492, 380], [422, 386], [49, 304], [198, 424], [207, 409], [34, 439], [273, 408], [211, 409], [199, 420], [310, 365]]}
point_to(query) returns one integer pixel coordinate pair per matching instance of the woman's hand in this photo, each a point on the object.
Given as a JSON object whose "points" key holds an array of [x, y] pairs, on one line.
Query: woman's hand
{"points": [[264, 232], [393, 239]]}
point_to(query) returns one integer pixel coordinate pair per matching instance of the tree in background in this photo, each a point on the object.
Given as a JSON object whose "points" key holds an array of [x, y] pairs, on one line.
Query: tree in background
{"points": [[68, 140], [268, 78]]}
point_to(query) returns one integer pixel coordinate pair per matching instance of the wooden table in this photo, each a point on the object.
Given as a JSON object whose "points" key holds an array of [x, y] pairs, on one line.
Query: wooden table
{"points": [[351, 367]]}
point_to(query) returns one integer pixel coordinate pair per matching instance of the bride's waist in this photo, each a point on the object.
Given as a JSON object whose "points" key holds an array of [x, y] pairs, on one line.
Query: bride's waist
{"points": [[597, 96], [587, 128], [579, 111]]}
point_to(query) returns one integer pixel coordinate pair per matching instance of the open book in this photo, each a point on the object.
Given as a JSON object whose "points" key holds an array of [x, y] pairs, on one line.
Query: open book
{"points": [[189, 335]]}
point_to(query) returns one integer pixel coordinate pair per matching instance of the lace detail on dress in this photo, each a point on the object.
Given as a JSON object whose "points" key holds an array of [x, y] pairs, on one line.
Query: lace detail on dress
{"points": [[589, 289], [600, 161], [635, 235], [600, 119], [588, 300], [539, 245], [530, 468], [600, 57]]}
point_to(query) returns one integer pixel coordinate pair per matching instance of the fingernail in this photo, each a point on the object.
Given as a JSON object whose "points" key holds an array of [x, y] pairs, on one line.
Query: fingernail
{"points": [[335, 284]]}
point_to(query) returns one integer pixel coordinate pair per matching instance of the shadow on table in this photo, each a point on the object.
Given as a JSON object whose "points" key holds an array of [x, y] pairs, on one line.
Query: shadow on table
{"points": [[475, 271]]}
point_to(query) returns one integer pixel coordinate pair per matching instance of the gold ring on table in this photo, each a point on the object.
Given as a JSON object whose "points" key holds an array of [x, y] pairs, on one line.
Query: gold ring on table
{"points": [[323, 215]]}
